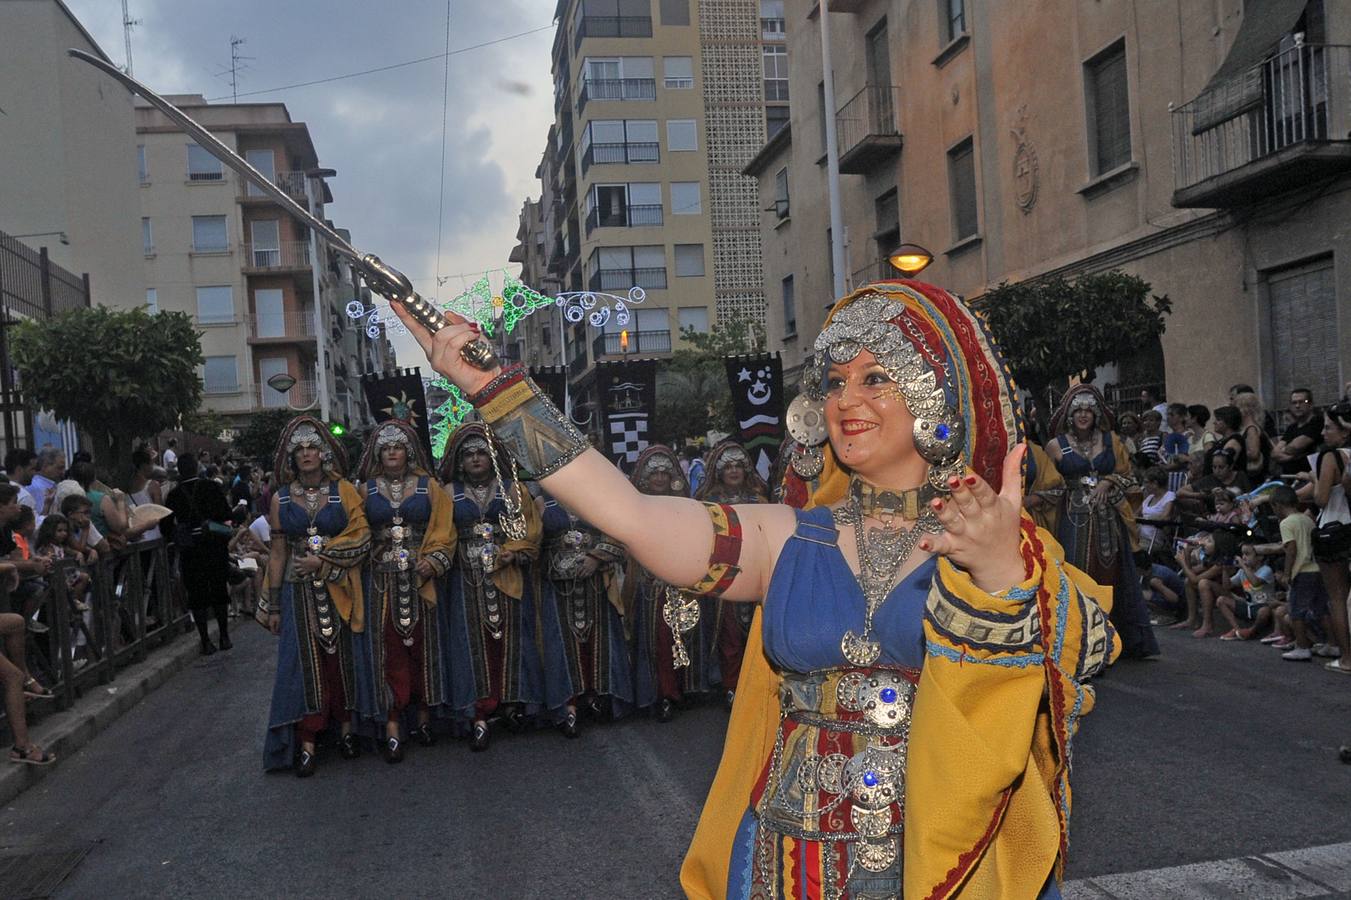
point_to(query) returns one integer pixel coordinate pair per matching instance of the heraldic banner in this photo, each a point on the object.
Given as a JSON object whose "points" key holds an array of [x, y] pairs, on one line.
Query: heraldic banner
{"points": [[553, 380], [398, 394], [757, 403], [628, 401]]}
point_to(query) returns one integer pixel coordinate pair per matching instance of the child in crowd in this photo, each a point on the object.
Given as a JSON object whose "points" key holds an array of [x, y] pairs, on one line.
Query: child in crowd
{"points": [[1150, 441], [53, 542], [25, 526], [1256, 586], [1307, 597], [84, 537], [1207, 579], [1226, 508]]}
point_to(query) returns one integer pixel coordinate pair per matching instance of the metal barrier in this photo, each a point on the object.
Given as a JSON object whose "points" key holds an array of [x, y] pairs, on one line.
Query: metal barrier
{"points": [[135, 604]]}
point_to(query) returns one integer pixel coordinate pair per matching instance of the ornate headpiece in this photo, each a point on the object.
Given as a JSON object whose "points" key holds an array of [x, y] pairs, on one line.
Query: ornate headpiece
{"points": [[945, 364], [731, 454], [729, 451], [1082, 396], [471, 436], [393, 432], [307, 431], [658, 458]]}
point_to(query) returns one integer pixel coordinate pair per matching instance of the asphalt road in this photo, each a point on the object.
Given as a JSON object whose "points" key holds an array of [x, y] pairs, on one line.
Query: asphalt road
{"points": [[1214, 751]]}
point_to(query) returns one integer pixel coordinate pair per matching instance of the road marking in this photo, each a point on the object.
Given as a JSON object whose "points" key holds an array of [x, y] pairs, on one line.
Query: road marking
{"points": [[1311, 872]]}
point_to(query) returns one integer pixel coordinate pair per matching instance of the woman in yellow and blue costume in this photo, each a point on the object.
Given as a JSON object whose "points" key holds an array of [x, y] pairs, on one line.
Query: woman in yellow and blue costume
{"points": [[916, 673]]}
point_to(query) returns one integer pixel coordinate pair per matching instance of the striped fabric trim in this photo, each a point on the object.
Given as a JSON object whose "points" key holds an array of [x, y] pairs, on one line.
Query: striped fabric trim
{"points": [[722, 561]]}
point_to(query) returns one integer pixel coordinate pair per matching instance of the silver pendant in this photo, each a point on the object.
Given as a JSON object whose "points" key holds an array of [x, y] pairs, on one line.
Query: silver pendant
{"points": [[860, 651]]}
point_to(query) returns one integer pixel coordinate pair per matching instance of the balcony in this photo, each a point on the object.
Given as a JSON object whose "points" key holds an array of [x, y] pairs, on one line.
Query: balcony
{"points": [[878, 270], [630, 152], [304, 394], [616, 89], [293, 183], [611, 27], [649, 279], [866, 129], [639, 342], [282, 257], [1280, 125], [640, 216], [281, 327]]}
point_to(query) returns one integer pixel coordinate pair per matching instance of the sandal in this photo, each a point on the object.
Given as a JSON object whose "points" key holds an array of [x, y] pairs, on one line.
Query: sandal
{"points": [[36, 690], [32, 755], [1231, 635]]}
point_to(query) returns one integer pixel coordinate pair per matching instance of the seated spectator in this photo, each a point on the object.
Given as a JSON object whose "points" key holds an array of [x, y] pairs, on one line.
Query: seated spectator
{"points": [[85, 537], [1301, 437], [28, 589], [245, 545], [1307, 597], [1173, 452], [1225, 507], [1156, 506], [19, 684], [1199, 437], [1256, 444], [25, 529], [1194, 496], [1254, 587], [1150, 441], [1228, 423], [1208, 578], [1167, 590]]}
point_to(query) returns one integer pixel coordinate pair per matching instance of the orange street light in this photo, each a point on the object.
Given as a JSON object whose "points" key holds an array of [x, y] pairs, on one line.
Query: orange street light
{"points": [[910, 259]]}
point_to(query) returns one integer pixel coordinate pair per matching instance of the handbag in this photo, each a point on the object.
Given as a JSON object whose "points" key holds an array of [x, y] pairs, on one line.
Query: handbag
{"points": [[1332, 541]]}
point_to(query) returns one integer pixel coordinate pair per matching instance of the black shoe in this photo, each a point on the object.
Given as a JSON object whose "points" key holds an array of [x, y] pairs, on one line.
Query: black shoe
{"points": [[595, 708], [348, 747], [208, 648], [728, 699], [306, 763], [423, 734], [392, 750], [665, 710], [1344, 754], [569, 726], [511, 717], [481, 735], [225, 643]]}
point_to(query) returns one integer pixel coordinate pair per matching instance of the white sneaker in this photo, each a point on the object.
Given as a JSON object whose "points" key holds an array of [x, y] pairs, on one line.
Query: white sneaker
{"points": [[1298, 654], [1327, 651]]}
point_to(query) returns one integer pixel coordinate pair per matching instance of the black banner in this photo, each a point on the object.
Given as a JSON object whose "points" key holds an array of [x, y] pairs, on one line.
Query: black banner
{"points": [[628, 401], [756, 382], [553, 380], [399, 395]]}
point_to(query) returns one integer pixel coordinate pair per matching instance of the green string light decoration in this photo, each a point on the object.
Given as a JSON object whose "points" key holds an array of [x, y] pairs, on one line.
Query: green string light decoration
{"points": [[448, 416]]}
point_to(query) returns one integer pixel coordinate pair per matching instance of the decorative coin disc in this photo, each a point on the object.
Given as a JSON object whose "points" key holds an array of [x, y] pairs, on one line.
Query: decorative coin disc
{"points": [[859, 651], [807, 420]]}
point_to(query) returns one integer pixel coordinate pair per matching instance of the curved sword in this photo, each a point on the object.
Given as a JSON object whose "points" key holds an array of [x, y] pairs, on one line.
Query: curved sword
{"points": [[384, 279]]}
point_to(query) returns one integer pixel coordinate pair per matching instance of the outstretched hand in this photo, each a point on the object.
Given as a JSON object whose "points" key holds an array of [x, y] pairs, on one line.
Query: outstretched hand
{"points": [[443, 349], [982, 529]]}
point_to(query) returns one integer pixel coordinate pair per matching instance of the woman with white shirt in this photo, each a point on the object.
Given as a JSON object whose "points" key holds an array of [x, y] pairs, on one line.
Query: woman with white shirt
{"points": [[1156, 506]]}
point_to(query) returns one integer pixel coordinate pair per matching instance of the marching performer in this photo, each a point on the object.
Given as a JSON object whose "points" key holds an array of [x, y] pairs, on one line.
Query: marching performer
{"points": [[731, 479], [658, 682], [412, 547], [314, 599], [493, 656], [580, 574]]}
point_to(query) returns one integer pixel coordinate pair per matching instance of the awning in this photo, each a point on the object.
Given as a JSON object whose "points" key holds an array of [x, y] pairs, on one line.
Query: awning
{"points": [[1237, 85]]}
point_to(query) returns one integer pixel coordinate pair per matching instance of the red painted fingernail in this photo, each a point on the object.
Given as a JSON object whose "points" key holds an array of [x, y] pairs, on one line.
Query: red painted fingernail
{"points": [[924, 545], [937, 504], [971, 479], [954, 483]]}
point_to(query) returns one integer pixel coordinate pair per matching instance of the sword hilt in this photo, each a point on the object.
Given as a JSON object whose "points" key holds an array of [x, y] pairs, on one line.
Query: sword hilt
{"points": [[395, 287]]}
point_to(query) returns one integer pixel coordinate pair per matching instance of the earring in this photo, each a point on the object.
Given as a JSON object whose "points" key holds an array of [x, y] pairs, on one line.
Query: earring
{"points": [[806, 421], [807, 462], [941, 441]]}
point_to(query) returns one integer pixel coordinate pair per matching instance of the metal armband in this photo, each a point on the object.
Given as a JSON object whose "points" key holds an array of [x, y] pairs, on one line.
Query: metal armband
{"points": [[536, 434]]}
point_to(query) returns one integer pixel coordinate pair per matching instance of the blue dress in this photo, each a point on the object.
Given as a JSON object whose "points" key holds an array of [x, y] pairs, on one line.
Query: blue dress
{"points": [[298, 690]]}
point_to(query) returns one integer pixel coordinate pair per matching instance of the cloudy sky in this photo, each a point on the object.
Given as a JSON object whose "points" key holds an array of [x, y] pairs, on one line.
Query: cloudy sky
{"points": [[382, 131]]}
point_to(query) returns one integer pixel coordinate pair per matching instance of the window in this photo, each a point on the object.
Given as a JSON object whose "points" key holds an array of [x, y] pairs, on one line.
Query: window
{"points": [[689, 260], [652, 320], [695, 317], [202, 166], [1109, 115], [209, 234], [266, 247], [265, 161], [775, 58], [675, 12], [952, 16], [151, 300], [962, 185], [679, 72], [147, 236], [682, 134], [142, 172], [685, 198], [789, 307], [775, 118], [220, 375], [888, 235], [781, 193], [821, 112], [269, 313], [215, 305], [771, 20]]}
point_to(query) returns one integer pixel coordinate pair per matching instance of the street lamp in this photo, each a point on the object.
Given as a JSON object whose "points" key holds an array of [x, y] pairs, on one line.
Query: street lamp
{"points": [[59, 235], [910, 259], [282, 383]]}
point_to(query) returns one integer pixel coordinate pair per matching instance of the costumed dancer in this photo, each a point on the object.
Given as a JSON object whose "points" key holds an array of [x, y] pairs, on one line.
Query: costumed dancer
{"points": [[493, 655], [930, 645], [731, 480], [1093, 518], [399, 655], [314, 598], [659, 682], [580, 577]]}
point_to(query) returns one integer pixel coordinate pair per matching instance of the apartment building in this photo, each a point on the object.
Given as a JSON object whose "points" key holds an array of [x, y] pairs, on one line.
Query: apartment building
{"points": [[268, 295], [659, 104], [1205, 150], [538, 339]]}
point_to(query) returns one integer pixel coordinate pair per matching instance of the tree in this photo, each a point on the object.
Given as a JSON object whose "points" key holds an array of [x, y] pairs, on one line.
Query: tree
{"points": [[1053, 329], [692, 394], [257, 440], [118, 375]]}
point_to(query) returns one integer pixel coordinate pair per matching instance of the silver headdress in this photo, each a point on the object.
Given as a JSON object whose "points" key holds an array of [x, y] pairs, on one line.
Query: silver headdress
{"points": [[304, 435], [393, 435], [731, 455]]}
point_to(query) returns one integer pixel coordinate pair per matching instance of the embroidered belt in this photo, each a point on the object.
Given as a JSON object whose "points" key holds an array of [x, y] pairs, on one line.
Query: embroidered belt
{"points": [[837, 770]]}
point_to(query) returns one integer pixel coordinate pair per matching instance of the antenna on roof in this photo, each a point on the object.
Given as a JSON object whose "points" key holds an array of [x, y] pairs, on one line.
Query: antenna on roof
{"points": [[128, 23], [237, 66]]}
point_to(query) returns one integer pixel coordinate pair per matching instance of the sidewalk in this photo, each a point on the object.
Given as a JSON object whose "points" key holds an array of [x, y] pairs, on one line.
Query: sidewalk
{"points": [[66, 731]]}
